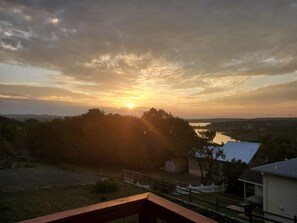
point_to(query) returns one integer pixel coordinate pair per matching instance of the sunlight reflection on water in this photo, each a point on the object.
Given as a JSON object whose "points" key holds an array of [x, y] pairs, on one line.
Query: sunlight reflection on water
{"points": [[220, 137]]}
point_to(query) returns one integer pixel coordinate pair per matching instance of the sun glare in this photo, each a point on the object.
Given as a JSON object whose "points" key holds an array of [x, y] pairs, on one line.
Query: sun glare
{"points": [[131, 105]]}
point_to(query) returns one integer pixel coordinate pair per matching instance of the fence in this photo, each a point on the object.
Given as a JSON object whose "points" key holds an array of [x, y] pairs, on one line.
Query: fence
{"points": [[201, 200], [202, 188], [137, 179], [248, 210]]}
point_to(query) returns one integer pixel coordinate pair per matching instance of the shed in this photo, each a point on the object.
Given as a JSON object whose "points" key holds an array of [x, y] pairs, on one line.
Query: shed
{"points": [[176, 165]]}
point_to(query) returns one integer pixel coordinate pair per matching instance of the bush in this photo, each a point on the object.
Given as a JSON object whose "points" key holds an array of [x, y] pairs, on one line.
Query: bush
{"points": [[106, 186]]}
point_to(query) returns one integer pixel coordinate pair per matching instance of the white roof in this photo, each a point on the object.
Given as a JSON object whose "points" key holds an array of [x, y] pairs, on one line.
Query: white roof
{"points": [[286, 168], [243, 151]]}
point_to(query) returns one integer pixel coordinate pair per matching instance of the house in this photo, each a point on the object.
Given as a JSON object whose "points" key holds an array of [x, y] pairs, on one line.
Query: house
{"points": [[244, 151], [252, 185], [279, 189], [176, 165], [247, 152]]}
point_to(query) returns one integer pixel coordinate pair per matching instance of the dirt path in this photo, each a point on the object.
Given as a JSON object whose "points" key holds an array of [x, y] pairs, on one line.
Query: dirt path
{"points": [[42, 176]]}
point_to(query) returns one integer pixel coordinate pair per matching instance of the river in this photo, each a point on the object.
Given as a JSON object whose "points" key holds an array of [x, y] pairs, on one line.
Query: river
{"points": [[220, 137]]}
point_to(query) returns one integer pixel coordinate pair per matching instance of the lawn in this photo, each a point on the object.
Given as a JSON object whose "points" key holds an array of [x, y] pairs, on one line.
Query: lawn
{"points": [[16, 206]]}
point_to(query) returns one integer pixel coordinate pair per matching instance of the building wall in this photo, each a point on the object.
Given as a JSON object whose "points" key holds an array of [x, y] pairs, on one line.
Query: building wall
{"points": [[169, 166], [280, 196], [177, 165], [259, 190], [194, 168]]}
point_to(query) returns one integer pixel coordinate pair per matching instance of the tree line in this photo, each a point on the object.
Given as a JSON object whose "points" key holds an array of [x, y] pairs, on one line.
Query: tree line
{"points": [[96, 138], [141, 143]]}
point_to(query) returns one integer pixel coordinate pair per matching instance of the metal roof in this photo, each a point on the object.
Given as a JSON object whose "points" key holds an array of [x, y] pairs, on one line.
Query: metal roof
{"points": [[243, 151], [252, 177], [286, 168]]}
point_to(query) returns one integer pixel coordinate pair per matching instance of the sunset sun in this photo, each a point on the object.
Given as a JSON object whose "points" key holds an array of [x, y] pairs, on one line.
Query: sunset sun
{"points": [[131, 105]]}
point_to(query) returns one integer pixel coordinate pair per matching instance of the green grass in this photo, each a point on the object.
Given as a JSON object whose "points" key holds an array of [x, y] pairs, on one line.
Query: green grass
{"points": [[17, 206]]}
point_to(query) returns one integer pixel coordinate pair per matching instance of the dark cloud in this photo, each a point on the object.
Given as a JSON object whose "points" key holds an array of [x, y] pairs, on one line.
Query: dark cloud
{"points": [[201, 36]]}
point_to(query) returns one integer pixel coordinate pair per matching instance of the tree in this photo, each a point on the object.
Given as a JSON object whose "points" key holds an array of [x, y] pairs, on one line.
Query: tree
{"points": [[174, 136], [232, 171], [206, 153], [98, 139], [277, 148]]}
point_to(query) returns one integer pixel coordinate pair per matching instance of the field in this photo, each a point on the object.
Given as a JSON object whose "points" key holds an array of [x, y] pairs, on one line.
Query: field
{"points": [[35, 190], [16, 206]]}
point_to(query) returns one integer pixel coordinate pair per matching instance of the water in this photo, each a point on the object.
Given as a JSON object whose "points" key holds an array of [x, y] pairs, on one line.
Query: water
{"points": [[220, 137], [199, 124]]}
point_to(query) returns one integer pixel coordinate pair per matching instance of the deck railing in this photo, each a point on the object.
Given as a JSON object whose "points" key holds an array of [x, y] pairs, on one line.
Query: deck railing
{"points": [[149, 207]]}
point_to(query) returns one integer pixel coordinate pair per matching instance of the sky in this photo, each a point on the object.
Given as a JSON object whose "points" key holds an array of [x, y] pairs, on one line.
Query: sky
{"points": [[193, 58]]}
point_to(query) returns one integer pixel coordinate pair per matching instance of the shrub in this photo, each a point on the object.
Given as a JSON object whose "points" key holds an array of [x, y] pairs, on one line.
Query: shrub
{"points": [[106, 186]]}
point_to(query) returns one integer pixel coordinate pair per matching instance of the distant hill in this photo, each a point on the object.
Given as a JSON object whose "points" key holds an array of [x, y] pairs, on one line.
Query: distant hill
{"points": [[24, 117], [218, 120]]}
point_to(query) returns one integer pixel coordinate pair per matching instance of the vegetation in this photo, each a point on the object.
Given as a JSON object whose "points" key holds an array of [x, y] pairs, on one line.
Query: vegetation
{"points": [[206, 152], [106, 186], [232, 171], [96, 138], [12, 140], [17, 206], [250, 129], [276, 135], [276, 148]]}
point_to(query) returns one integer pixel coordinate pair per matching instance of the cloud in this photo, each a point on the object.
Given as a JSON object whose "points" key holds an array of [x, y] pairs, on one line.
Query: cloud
{"points": [[26, 106], [149, 51], [202, 37], [271, 95], [44, 93]]}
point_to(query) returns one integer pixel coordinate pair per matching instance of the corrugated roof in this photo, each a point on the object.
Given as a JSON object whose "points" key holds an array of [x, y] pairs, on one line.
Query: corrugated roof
{"points": [[250, 176], [243, 151], [286, 168]]}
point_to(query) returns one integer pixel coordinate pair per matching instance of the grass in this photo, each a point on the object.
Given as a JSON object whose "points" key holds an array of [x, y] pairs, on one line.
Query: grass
{"points": [[106, 186], [17, 206], [208, 200], [181, 179]]}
